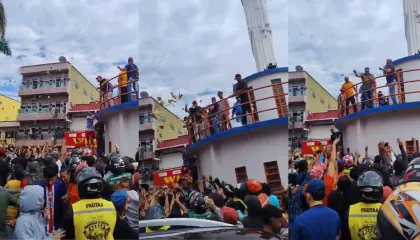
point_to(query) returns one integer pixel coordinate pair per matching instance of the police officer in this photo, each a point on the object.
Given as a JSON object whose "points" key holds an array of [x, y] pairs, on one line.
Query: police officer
{"points": [[92, 217], [362, 215], [117, 167]]}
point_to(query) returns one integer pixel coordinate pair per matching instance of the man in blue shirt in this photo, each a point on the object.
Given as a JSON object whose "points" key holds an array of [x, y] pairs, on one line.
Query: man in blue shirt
{"points": [[132, 74], [389, 72], [319, 221]]}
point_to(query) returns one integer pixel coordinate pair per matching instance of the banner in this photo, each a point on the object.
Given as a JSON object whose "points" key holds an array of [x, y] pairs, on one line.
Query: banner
{"points": [[80, 139], [311, 146], [168, 177]]}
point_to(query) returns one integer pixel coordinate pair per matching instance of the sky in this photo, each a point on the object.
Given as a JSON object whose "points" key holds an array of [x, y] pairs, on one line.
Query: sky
{"points": [[195, 47], [330, 38], [94, 36], [192, 47]]}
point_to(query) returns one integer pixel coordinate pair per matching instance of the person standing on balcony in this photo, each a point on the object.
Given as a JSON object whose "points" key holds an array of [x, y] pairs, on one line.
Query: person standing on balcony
{"points": [[224, 116], [122, 81], [368, 86], [214, 116], [241, 91], [106, 91], [195, 115], [133, 75], [348, 89], [389, 72]]}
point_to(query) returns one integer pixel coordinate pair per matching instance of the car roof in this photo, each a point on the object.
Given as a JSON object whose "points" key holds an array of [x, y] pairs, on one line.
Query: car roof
{"points": [[187, 222]]}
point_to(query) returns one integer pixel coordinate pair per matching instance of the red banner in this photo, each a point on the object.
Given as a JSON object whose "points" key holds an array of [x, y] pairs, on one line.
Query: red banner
{"points": [[310, 146], [80, 139], [168, 177]]}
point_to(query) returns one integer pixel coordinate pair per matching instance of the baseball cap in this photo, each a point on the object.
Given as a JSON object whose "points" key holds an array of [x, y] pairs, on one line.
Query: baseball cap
{"points": [[254, 186], [229, 214], [119, 198], [315, 186], [2, 151]]}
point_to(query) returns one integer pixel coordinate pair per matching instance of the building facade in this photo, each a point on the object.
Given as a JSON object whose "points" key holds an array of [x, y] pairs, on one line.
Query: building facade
{"points": [[47, 93], [8, 132], [305, 96], [157, 124], [9, 108]]}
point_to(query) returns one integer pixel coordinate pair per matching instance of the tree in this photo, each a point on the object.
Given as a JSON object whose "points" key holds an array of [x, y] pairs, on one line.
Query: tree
{"points": [[4, 44]]}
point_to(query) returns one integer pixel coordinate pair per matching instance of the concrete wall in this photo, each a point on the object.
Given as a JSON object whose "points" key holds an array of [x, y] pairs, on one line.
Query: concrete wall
{"points": [[8, 108], [81, 90], [250, 149], [368, 131], [267, 92], [320, 131], [170, 160]]}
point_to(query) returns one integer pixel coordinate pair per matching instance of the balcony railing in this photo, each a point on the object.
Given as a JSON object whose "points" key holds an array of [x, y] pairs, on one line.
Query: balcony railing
{"points": [[43, 88], [212, 123], [41, 114], [125, 92], [368, 99]]}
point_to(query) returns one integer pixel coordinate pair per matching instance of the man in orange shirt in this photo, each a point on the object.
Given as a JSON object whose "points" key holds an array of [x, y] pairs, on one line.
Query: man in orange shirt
{"points": [[348, 89]]}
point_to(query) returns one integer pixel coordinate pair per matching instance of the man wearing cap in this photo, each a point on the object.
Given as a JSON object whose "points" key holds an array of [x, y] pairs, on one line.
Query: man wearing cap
{"points": [[240, 90], [106, 91], [132, 74], [319, 221]]}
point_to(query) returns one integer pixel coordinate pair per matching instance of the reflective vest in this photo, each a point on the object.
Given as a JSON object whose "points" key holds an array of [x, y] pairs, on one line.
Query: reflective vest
{"points": [[163, 228], [94, 219], [362, 220], [347, 171]]}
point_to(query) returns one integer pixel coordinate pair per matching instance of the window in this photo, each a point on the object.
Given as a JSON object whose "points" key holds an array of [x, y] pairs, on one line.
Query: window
{"points": [[313, 93], [298, 114], [147, 144], [34, 83], [172, 127], [145, 118], [76, 85], [272, 175], [410, 146], [322, 100], [297, 90], [84, 92], [241, 174]]}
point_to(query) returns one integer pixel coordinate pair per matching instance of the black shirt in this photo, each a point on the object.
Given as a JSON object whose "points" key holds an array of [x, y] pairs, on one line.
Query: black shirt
{"points": [[196, 111], [215, 110]]}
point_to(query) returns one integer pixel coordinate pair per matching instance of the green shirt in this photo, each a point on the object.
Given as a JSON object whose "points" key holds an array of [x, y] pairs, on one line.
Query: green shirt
{"points": [[205, 215], [115, 180], [5, 200]]}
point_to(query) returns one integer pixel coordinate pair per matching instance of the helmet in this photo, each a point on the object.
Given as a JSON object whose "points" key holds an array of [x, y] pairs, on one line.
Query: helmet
{"points": [[89, 183], [368, 161], [397, 218], [370, 184], [229, 190], [348, 161], [155, 212], [241, 190], [254, 187], [412, 173], [199, 203], [116, 163], [74, 161]]}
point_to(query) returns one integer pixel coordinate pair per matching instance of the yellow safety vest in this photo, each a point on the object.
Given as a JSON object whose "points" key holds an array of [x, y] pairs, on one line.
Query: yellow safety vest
{"points": [[94, 219], [347, 171], [163, 228], [362, 220]]}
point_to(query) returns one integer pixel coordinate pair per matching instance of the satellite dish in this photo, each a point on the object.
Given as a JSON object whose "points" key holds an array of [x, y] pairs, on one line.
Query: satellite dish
{"points": [[144, 94], [62, 59], [299, 68]]}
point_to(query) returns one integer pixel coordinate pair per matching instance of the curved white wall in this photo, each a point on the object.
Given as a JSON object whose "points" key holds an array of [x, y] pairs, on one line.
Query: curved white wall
{"points": [[122, 127], [368, 131], [250, 149], [410, 76], [267, 92]]}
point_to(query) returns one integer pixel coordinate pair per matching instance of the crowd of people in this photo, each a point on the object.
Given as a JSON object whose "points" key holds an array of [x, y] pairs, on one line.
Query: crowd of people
{"points": [[48, 195], [337, 195], [219, 116], [250, 205], [350, 91]]}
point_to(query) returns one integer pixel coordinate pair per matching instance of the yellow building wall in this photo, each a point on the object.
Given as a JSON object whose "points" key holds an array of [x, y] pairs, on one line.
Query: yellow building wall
{"points": [[314, 104], [84, 92], [166, 118], [8, 109]]}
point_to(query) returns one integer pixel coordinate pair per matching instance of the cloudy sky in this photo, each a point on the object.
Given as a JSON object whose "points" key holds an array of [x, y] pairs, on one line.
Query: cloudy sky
{"points": [[197, 46], [95, 36], [330, 38]]}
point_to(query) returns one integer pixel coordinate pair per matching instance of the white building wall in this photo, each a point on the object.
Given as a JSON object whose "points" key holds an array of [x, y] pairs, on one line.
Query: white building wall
{"points": [[320, 131], [389, 126], [259, 31], [170, 160], [412, 25], [251, 149], [267, 92], [78, 123], [410, 76], [122, 127]]}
